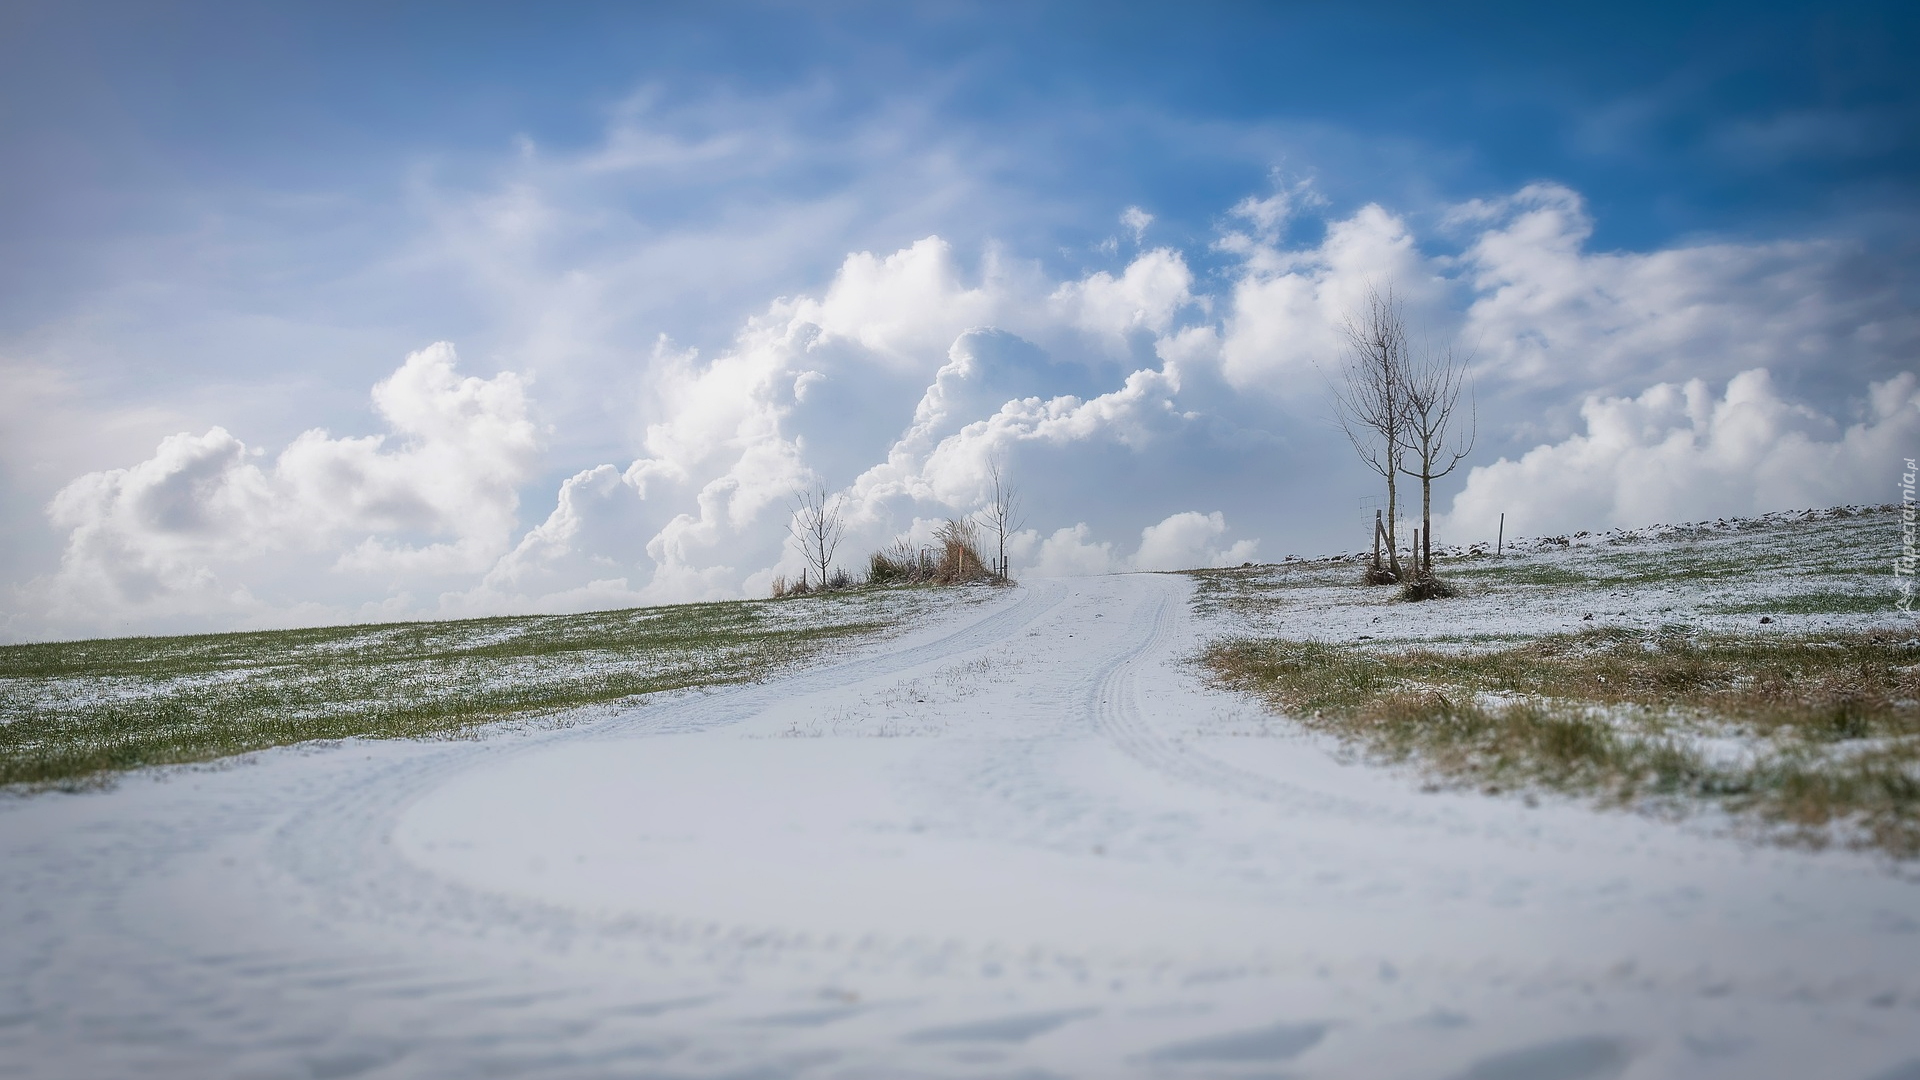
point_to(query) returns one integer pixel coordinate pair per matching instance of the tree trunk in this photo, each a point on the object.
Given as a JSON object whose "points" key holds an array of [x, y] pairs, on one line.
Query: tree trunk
{"points": [[1393, 546], [1426, 524]]}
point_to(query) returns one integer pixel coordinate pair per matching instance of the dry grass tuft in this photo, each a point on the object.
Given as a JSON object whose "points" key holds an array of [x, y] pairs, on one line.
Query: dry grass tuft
{"points": [[952, 559], [1427, 587], [958, 559], [900, 563]]}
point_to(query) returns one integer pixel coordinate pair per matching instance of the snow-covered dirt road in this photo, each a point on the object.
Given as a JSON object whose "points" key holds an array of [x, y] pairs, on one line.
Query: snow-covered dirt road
{"points": [[1020, 841]]}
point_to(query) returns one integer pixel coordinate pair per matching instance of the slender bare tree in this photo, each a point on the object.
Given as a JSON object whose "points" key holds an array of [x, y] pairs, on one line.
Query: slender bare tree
{"points": [[1429, 437], [1370, 399], [817, 524], [1002, 516]]}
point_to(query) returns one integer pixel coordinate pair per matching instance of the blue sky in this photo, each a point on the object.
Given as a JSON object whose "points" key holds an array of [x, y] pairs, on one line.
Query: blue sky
{"points": [[246, 217]]}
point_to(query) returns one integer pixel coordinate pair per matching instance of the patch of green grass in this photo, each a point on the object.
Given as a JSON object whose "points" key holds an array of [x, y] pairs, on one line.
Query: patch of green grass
{"points": [[1834, 722], [1519, 573], [73, 710], [1238, 588], [1808, 603], [1681, 565]]}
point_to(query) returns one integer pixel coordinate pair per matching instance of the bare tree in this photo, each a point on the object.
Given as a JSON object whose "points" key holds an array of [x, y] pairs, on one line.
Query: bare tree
{"points": [[1002, 516], [817, 524], [1370, 399], [1430, 439]]}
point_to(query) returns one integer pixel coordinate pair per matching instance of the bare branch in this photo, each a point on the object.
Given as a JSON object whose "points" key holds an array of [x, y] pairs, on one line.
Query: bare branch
{"points": [[1002, 516], [817, 525], [1370, 399], [1430, 437]]}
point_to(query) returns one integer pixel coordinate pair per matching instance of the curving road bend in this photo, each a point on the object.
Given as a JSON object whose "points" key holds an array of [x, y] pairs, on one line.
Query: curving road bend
{"points": [[1022, 841]]}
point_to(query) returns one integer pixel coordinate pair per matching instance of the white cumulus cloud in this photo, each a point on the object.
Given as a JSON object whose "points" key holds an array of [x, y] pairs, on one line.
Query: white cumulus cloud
{"points": [[1548, 312], [1286, 305], [1184, 541], [1678, 452], [1187, 540], [1146, 296], [180, 531], [1115, 395]]}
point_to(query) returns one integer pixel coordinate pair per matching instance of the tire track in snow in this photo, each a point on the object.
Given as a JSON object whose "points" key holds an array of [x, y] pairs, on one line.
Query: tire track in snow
{"points": [[729, 704], [1115, 703], [341, 848], [1119, 715], [387, 968], [372, 927]]}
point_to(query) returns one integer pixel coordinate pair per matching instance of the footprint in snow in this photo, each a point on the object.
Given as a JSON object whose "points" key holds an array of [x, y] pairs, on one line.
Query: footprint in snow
{"points": [[1585, 1057], [1276, 1042], [1005, 1029]]}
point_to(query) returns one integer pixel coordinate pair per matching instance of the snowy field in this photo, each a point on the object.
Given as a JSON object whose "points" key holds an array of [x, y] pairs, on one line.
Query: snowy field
{"points": [[1812, 571], [1022, 839]]}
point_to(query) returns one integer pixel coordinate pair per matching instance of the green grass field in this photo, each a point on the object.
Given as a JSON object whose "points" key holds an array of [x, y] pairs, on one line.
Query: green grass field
{"points": [[73, 712]]}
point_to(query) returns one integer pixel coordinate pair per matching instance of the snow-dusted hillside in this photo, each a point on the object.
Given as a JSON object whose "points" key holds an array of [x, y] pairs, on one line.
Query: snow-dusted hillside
{"points": [[1807, 571], [1023, 839]]}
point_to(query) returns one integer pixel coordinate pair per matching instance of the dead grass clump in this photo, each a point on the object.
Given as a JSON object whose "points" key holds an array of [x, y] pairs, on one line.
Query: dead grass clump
{"points": [[884, 569], [1427, 587], [900, 563], [1833, 725], [1378, 574], [953, 558], [957, 558]]}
